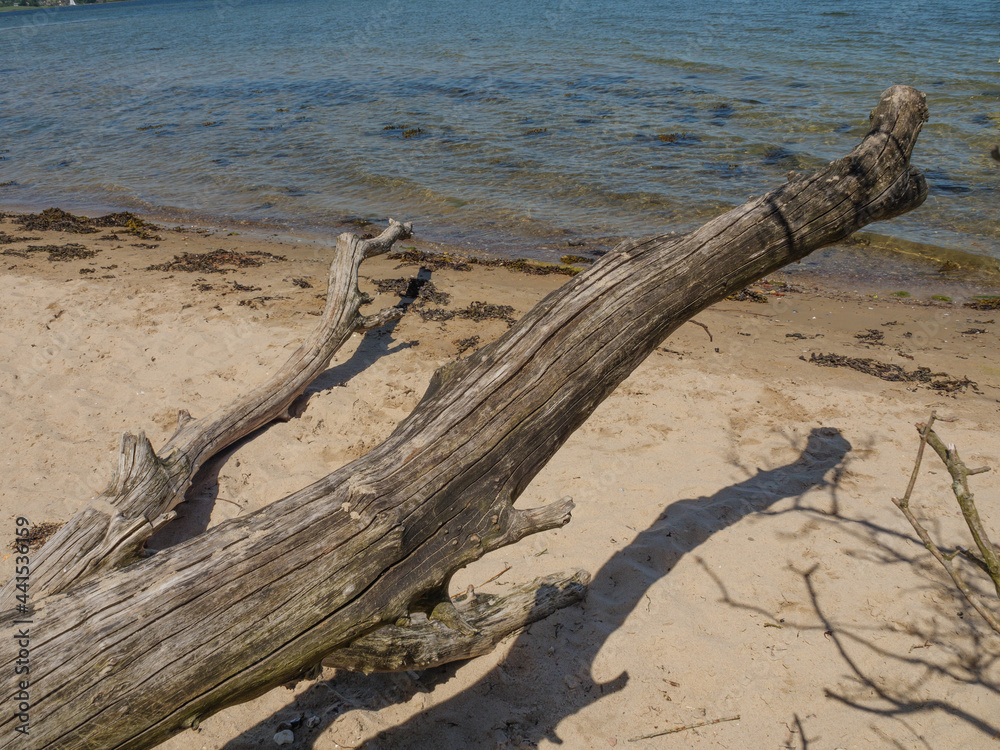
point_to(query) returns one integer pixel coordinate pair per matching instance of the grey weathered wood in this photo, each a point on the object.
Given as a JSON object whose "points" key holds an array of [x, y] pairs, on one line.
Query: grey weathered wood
{"points": [[421, 643], [146, 486], [128, 657]]}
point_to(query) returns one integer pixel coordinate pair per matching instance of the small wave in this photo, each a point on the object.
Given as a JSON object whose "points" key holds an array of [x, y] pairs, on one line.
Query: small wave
{"points": [[941, 181], [682, 64]]}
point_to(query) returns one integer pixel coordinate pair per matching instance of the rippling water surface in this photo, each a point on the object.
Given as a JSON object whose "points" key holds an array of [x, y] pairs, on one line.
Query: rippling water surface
{"points": [[506, 125]]}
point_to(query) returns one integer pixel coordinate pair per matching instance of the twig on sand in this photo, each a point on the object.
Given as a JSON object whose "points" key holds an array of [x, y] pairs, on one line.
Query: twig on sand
{"points": [[506, 568], [742, 312], [697, 323], [990, 560], [683, 728], [231, 502]]}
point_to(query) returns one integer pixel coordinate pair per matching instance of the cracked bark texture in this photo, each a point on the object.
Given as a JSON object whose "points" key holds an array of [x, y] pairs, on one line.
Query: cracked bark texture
{"points": [[147, 485], [127, 656]]}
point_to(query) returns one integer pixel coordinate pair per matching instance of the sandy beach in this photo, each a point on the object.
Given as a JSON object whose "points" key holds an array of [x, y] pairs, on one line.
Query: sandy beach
{"points": [[732, 496]]}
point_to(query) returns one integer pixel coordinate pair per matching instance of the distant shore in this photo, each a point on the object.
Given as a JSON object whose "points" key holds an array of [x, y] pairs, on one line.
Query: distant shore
{"points": [[7, 5]]}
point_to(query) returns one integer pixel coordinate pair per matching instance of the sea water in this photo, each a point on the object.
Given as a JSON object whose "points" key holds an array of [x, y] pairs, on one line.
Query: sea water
{"points": [[511, 126]]}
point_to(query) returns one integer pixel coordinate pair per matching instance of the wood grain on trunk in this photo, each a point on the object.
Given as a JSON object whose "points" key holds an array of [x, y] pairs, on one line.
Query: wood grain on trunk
{"points": [[130, 651]]}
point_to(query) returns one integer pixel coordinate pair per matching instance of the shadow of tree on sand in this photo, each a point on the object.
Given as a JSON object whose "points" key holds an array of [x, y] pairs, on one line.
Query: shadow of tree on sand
{"points": [[923, 653], [963, 660], [572, 639]]}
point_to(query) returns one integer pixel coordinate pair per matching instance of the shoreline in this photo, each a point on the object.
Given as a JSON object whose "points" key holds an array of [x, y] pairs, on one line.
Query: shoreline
{"points": [[732, 494], [866, 263]]}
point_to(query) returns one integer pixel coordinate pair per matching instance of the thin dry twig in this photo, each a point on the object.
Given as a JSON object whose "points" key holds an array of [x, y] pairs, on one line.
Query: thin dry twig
{"points": [[990, 561], [490, 580], [742, 312], [684, 728], [698, 323]]}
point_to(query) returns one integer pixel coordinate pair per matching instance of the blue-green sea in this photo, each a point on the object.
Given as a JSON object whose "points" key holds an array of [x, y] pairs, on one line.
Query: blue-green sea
{"points": [[512, 126]]}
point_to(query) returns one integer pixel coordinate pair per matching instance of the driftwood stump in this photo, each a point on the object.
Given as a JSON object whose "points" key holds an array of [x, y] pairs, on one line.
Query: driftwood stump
{"points": [[128, 649]]}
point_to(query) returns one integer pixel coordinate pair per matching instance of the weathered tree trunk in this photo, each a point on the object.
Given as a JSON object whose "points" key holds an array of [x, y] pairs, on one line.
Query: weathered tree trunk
{"points": [[112, 530], [133, 650]]}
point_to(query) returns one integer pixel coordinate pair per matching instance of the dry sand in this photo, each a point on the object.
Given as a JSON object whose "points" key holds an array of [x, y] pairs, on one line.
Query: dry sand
{"points": [[732, 500]]}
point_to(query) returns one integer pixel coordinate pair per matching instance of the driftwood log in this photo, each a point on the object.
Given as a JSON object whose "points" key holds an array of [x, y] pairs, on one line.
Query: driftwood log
{"points": [[127, 648]]}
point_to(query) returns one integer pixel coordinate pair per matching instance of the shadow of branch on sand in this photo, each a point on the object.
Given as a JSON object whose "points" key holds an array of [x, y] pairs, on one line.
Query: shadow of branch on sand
{"points": [[195, 513], [900, 669], [565, 644], [376, 343], [959, 658]]}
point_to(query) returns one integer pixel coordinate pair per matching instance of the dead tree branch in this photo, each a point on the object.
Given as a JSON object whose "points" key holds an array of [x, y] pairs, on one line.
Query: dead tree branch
{"points": [[130, 651], [147, 485], [990, 561], [421, 643]]}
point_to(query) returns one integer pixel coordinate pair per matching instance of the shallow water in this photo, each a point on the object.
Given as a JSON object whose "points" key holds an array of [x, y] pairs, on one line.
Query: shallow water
{"points": [[508, 127]]}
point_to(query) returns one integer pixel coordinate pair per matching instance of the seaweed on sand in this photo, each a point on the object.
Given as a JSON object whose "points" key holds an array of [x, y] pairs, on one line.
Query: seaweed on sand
{"points": [[456, 262], [9, 239], [984, 303], [57, 220], [476, 311], [433, 261], [69, 251], [215, 261], [255, 303], [465, 344], [870, 336], [748, 295], [422, 290], [938, 381]]}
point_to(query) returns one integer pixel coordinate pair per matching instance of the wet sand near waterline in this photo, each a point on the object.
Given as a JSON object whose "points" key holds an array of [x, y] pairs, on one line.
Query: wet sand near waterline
{"points": [[732, 495]]}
